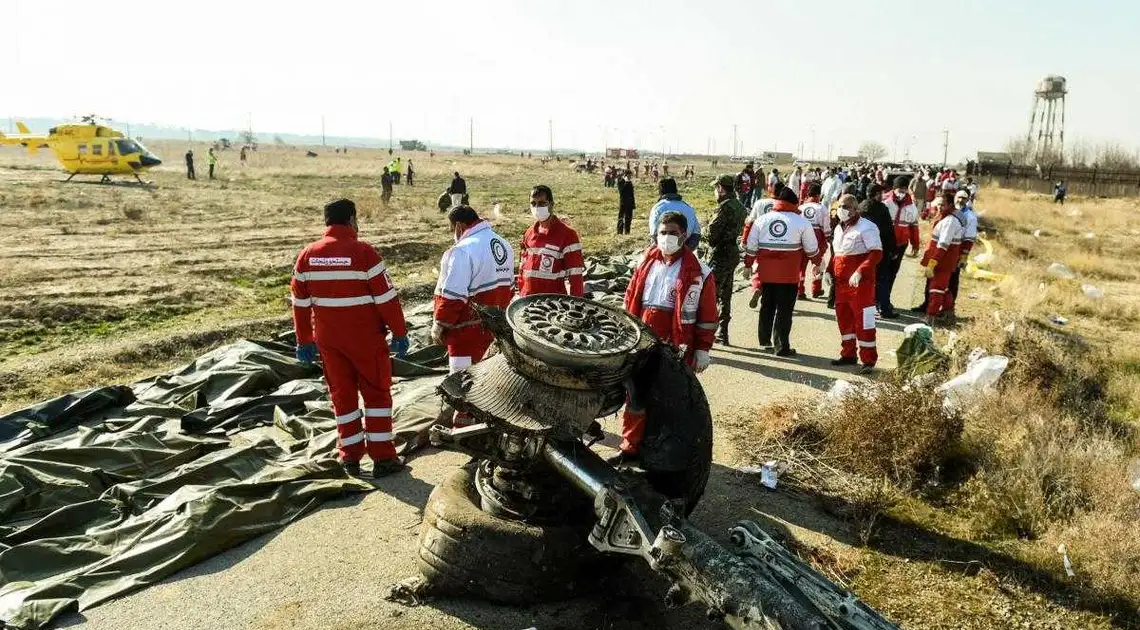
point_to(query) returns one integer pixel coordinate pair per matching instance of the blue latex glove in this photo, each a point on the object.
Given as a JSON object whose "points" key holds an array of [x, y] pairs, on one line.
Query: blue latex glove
{"points": [[307, 352], [400, 346]]}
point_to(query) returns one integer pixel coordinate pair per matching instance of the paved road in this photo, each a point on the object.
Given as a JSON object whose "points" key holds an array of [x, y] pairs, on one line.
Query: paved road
{"points": [[331, 569]]}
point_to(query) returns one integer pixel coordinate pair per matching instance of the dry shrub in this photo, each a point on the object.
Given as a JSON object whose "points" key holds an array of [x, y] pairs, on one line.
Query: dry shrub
{"points": [[899, 432], [133, 214]]}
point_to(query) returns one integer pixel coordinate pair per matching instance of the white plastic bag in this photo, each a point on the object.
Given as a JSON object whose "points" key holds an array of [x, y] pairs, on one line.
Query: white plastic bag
{"points": [[909, 331], [839, 389], [964, 389], [1060, 271], [1092, 292]]}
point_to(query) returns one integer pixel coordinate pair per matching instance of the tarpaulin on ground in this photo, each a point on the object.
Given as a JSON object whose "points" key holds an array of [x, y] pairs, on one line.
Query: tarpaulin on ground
{"points": [[110, 489]]}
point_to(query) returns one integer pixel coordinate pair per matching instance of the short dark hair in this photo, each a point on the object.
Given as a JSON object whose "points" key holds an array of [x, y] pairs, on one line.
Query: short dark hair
{"points": [[815, 190], [339, 212], [544, 189], [667, 186], [463, 214], [676, 218]]}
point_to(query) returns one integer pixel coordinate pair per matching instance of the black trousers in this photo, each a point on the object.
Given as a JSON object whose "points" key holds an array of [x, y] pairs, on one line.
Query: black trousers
{"points": [[625, 218], [722, 274], [211, 167], [777, 302], [190, 171], [885, 278]]}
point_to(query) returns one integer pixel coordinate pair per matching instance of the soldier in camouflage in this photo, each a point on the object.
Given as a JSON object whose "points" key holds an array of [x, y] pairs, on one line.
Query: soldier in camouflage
{"points": [[724, 238]]}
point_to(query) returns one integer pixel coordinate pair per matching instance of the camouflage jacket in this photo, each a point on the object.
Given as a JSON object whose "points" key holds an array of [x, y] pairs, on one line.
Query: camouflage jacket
{"points": [[724, 231]]}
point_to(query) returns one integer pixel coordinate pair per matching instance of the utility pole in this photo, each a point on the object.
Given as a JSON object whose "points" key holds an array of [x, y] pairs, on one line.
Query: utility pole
{"points": [[662, 142], [322, 130], [550, 126], [471, 136], [813, 144], [734, 152], [945, 146], [389, 136]]}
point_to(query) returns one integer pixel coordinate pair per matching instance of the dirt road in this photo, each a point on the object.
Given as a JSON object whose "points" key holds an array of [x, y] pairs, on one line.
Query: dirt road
{"points": [[331, 569]]}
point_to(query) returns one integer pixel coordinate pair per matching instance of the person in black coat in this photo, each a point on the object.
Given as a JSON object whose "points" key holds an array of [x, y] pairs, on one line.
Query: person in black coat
{"points": [[626, 203], [875, 211]]}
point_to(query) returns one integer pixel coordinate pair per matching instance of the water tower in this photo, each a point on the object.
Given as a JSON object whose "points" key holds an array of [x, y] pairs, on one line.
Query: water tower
{"points": [[1046, 137]]}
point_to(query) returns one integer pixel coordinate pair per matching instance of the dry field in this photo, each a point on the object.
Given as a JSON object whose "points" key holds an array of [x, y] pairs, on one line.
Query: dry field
{"points": [[107, 284]]}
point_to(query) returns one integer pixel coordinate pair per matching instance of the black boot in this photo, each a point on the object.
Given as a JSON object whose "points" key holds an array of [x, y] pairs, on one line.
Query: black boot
{"points": [[722, 335], [844, 361], [352, 469], [385, 467], [623, 458]]}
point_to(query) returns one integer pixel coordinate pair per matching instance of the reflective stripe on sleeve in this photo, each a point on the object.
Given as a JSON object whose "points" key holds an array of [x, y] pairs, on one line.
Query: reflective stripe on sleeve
{"points": [[376, 270], [573, 247], [387, 296], [358, 300], [348, 417], [352, 439]]}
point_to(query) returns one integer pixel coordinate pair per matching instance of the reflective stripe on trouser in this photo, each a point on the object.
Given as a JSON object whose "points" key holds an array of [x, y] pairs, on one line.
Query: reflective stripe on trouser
{"points": [[361, 369], [939, 290], [466, 347], [856, 319]]}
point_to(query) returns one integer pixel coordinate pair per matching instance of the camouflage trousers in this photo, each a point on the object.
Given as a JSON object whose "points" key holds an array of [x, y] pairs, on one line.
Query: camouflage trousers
{"points": [[722, 273]]}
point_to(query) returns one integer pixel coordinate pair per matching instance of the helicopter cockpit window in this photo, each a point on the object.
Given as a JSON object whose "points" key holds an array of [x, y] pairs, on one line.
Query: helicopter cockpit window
{"points": [[127, 147], [110, 148]]}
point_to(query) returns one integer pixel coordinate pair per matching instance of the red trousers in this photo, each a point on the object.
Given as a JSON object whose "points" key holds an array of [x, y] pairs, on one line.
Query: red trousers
{"points": [[817, 271], [855, 314], [354, 369], [940, 297]]}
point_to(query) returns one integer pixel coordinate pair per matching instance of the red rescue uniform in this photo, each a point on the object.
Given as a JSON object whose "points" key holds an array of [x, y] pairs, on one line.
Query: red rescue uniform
{"points": [[778, 244], [479, 269], [858, 247], [904, 216], [676, 297], [820, 220], [344, 301], [551, 260], [945, 247]]}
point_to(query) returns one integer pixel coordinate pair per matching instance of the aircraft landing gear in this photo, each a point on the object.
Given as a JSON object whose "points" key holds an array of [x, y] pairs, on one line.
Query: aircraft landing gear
{"points": [[69, 178], [106, 179]]}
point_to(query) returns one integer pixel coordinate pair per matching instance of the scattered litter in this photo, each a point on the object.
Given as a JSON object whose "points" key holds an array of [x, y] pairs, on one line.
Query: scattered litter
{"points": [[1092, 292], [1061, 271], [1075, 212], [497, 209], [769, 475], [921, 330], [1057, 319], [1011, 328], [1134, 475], [1065, 558], [984, 259], [1041, 287], [975, 354], [1036, 233], [973, 296], [839, 389], [1089, 235], [951, 341], [979, 377]]}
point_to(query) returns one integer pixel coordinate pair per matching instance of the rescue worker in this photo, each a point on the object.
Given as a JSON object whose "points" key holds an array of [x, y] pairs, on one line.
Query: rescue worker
{"points": [[832, 188], [795, 179], [942, 255], [969, 219], [396, 172], [344, 306], [773, 179], [411, 174], [550, 257], [856, 252], [190, 164], [904, 221], [673, 293], [724, 232], [211, 161], [743, 184], [776, 244], [761, 206], [457, 190], [626, 203], [477, 270], [820, 218], [670, 201], [918, 192]]}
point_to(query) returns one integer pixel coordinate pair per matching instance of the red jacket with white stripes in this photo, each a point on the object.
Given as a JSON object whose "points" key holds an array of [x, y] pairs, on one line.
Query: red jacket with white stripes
{"points": [[341, 290], [550, 258], [659, 287], [857, 247], [945, 244], [904, 216], [479, 269], [777, 244]]}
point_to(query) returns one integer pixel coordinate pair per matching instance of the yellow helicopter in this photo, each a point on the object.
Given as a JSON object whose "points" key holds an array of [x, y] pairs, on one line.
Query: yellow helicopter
{"points": [[88, 149]]}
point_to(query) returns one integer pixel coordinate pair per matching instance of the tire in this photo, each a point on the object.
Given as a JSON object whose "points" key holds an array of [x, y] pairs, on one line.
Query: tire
{"points": [[464, 550], [677, 447]]}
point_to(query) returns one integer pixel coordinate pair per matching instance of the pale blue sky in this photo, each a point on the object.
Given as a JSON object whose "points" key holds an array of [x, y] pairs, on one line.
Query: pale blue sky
{"points": [[853, 70]]}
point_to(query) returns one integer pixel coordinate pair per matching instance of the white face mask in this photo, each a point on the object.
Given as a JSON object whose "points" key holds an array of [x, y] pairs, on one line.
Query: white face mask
{"points": [[540, 213], [669, 244], [844, 214]]}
